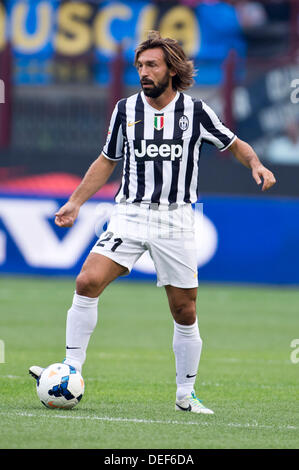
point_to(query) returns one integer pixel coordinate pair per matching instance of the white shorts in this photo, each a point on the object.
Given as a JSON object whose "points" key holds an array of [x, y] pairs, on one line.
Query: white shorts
{"points": [[168, 235]]}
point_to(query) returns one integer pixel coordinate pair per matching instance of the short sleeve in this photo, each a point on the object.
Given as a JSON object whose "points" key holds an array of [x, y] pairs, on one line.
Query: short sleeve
{"points": [[113, 148], [213, 130]]}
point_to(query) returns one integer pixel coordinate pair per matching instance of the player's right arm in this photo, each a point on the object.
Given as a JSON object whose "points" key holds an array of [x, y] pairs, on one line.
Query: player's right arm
{"points": [[96, 176]]}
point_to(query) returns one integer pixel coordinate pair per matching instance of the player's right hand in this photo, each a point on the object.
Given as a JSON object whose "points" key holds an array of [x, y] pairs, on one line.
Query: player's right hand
{"points": [[67, 215]]}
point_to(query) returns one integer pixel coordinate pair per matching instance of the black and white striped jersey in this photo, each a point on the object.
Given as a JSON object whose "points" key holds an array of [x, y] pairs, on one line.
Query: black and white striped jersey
{"points": [[161, 149]]}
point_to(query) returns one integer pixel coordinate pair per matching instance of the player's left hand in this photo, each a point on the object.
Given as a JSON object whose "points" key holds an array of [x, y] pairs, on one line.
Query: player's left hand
{"points": [[261, 175]]}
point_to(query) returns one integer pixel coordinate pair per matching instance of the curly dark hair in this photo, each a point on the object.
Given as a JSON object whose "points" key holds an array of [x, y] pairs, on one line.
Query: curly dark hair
{"points": [[175, 59]]}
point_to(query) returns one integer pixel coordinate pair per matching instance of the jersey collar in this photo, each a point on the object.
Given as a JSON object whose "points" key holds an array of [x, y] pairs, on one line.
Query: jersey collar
{"points": [[163, 110]]}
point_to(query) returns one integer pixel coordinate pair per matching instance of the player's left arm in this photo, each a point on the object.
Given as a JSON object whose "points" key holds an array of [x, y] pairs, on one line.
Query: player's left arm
{"points": [[247, 156]]}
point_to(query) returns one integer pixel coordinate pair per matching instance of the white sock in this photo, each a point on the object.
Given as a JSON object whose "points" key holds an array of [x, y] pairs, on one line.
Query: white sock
{"points": [[187, 345], [81, 321]]}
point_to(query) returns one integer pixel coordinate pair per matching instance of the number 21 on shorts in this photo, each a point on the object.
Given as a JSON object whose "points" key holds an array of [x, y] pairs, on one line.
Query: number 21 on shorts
{"points": [[107, 238]]}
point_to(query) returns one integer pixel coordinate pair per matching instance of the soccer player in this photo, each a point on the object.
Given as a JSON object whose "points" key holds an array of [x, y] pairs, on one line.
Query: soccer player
{"points": [[159, 133]]}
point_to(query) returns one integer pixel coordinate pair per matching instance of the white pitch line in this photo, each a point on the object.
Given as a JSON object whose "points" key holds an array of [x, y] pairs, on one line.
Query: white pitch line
{"points": [[11, 377], [254, 425]]}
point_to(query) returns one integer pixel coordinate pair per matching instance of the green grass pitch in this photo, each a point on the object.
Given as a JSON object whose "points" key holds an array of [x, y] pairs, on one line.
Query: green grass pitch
{"points": [[246, 374]]}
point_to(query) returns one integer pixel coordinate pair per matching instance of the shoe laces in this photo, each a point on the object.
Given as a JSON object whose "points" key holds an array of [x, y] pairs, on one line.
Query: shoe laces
{"points": [[196, 401]]}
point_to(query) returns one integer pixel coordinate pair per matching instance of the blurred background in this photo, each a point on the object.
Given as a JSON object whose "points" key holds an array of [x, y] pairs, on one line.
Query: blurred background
{"points": [[63, 66]]}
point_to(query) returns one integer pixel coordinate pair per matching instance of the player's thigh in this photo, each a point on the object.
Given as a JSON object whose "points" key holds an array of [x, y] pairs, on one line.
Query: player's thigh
{"points": [[175, 261], [182, 303], [97, 272]]}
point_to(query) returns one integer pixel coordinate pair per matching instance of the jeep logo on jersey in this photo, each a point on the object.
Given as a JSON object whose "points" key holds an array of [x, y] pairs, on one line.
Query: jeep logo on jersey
{"points": [[149, 150]]}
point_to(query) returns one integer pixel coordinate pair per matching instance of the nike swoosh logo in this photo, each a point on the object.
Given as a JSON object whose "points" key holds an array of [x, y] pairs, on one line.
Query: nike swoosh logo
{"points": [[133, 123], [184, 409], [189, 376], [68, 347]]}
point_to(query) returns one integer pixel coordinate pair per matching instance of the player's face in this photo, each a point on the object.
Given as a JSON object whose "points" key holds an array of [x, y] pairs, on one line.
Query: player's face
{"points": [[155, 76]]}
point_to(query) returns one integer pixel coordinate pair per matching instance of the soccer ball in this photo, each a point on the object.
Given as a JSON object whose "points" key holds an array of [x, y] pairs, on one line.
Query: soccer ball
{"points": [[60, 386]]}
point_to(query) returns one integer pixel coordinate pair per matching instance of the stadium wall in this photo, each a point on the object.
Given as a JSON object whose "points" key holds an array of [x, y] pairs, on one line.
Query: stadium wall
{"points": [[240, 239]]}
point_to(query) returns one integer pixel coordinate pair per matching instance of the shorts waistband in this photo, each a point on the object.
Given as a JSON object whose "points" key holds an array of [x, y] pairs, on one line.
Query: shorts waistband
{"points": [[155, 205]]}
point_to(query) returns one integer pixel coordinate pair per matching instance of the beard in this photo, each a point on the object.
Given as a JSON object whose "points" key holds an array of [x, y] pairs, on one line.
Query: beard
{"points": [[156, 90]]}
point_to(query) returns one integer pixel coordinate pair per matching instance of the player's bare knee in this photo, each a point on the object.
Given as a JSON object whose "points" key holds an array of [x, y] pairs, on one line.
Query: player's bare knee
{"points": [[185, 313], [88, 285]]}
